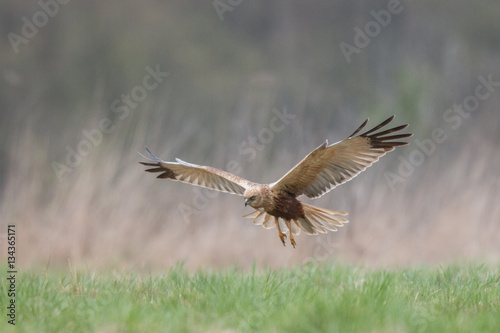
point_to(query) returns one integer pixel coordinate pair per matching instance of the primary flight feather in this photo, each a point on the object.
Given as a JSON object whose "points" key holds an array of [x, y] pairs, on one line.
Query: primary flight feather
{"points": [[276, 204]]}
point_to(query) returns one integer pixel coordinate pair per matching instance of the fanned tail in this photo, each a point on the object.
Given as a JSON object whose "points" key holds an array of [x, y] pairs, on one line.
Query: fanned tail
{"points": [[321, 220], [315, 220]]}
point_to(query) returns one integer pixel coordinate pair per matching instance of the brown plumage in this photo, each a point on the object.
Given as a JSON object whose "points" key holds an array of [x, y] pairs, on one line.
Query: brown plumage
{"points": [[322, 170]]}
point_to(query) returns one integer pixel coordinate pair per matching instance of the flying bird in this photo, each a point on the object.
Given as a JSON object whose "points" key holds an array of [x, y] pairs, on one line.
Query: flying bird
{"points": [[276, 204]]}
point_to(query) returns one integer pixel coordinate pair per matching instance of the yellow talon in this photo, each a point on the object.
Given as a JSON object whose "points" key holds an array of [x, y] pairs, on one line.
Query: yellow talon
{"points": [[292, 240], [280, 234], [283, 238]]}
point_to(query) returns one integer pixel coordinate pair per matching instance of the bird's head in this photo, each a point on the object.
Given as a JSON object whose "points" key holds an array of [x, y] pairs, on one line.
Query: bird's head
{"points": [[253, 197]]}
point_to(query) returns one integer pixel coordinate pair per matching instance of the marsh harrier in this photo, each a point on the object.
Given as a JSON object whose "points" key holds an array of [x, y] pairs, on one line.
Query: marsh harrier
{"points": [[276, 204]]}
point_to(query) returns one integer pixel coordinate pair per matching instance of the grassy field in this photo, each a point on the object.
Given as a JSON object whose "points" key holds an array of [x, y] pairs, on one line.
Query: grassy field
{"points": [[309, 298]]}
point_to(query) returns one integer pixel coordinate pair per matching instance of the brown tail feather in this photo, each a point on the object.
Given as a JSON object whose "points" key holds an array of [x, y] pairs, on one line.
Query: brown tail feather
{"points": [[322, 219], [315, 220]]}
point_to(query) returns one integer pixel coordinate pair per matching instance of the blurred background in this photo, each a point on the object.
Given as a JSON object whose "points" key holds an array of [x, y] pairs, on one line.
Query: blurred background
{"points": [[252, 87]]}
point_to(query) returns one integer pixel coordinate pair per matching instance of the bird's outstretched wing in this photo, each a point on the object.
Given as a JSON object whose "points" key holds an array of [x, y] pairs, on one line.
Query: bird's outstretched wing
{"points": [[199, 175], [329, 166]]}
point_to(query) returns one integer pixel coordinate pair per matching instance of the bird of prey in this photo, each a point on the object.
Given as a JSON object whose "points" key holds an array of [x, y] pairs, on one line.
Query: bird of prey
{"points": [[276, 204]]}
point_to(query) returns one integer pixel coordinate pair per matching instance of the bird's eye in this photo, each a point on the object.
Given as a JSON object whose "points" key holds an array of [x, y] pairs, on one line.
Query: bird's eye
{"points": [[252, 197]]}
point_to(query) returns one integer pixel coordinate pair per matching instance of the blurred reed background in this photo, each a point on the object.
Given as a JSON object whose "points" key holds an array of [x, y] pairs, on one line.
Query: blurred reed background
{"points": [[232, 67]]}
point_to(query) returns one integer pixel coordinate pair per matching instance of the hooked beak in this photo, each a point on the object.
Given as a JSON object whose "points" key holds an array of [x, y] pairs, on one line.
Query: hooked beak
{"points": [[246, 202]]}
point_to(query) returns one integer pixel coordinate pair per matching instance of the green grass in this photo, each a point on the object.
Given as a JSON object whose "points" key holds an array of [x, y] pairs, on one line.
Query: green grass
{"points": [[310, 298]]}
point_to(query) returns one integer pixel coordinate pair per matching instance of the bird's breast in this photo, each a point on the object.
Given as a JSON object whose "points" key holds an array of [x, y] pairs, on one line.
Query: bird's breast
{"points": [[286, 207]]}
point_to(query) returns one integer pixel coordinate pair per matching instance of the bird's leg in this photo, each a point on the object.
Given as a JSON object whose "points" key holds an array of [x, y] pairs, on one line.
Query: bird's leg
{"points": [[281, 234], [292, 240]]}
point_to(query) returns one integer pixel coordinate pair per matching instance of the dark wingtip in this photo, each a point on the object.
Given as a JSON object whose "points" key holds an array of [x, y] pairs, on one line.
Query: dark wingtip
{"points": [[359, 128], [382, 124], [148, 164], [383, 138]]}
